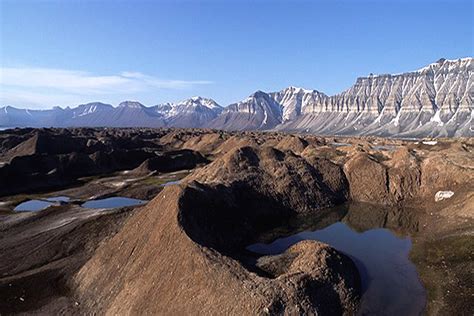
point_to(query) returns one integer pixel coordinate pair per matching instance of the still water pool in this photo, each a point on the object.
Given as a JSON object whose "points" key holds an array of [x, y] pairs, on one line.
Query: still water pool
{"points": [[390, 282], [38, 205], [112, 202]]}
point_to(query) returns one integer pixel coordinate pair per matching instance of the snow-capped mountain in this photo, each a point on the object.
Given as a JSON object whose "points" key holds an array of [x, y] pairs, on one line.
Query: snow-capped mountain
{"points": [[194, 112], [258, 112], [436, 100], [296, 101]]}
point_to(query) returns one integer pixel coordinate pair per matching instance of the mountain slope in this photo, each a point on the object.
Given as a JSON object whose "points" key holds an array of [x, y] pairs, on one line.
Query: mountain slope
{"points": [[13, 117], [258, 112], [436, 101], [90, 114], [194, 112], [296, 101], [132, 113]]}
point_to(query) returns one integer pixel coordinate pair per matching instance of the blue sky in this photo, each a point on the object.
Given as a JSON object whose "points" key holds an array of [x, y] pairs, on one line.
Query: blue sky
{"points": [[70, 52]]}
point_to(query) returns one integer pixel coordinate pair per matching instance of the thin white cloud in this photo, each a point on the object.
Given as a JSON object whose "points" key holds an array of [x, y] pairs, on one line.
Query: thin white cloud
{"points": [[65, 80], [160, 83], [30, 99], [59, 86], [81, 81]]}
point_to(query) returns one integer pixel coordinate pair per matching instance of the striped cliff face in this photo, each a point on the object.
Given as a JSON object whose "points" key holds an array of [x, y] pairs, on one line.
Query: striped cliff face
{"points": [[436, 100]]}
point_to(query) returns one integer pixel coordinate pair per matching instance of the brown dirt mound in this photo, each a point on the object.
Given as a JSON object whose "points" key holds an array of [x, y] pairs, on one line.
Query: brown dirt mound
{"points": [[282, 175], [293, 143], [367, 178], [44, 142], [206, 143], [187, 245], [234, 142], [171, 161], [152, 265]]}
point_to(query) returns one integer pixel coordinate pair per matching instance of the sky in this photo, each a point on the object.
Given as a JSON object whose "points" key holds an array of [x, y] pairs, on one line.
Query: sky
{"points": [[64, 53]]}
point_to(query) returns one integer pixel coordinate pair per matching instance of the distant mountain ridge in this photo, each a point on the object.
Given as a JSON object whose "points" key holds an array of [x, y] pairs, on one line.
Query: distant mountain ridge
{"points": [[194, 112], [436, 100]]}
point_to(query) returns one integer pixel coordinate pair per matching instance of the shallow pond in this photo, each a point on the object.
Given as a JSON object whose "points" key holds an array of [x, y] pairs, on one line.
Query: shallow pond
{"points": [[38, 205], [112, 202], [390, 282], [32, 205]]}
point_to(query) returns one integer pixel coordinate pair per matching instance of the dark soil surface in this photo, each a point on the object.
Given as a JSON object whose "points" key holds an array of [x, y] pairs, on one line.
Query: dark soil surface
{"points": [[183, 252]]}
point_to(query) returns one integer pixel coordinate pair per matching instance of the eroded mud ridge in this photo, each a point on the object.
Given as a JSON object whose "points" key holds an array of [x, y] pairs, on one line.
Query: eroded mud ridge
{"points": [[185, 252]]}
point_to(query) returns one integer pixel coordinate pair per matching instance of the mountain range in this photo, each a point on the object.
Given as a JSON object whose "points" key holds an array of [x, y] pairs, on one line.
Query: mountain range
{"points": [[434, 101]]}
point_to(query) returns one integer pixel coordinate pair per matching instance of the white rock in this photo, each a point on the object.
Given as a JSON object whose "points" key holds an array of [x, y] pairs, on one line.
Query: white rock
{"points": [[441, 195]]}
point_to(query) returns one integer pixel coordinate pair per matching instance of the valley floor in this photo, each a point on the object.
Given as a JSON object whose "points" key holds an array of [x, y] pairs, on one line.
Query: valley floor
{"points": [[207, 194]]}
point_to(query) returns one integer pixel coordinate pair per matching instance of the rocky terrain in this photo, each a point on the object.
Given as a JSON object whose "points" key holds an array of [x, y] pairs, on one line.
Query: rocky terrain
{"points": [[184, 251], [43, 159], [434, 101]]}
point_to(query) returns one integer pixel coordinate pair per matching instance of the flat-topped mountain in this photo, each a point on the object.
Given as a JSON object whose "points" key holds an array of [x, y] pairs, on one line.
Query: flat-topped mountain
{"points": [[435, 100]]}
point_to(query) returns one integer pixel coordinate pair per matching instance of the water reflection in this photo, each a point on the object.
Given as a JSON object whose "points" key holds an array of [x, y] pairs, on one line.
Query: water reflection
{"points": [[112, 202], [38, 205], [32, 205], [390, 282]]}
